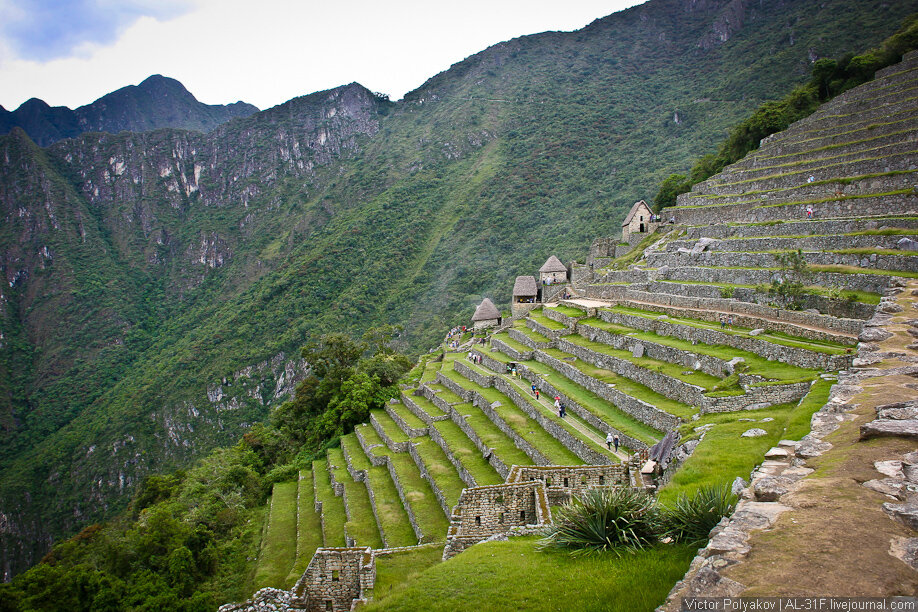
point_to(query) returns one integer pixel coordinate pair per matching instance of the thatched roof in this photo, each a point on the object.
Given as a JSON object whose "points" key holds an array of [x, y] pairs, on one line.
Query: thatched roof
{"points": [[486, 311], [553, 264], [634, 209], [525, 286]]}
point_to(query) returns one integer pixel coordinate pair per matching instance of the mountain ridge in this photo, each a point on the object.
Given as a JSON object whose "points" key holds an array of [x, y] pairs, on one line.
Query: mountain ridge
{"points": [[156, 102]]}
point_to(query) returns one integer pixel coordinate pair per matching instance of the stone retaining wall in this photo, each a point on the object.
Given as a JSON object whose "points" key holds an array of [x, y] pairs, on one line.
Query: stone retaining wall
{"points": [[508, 350], [664, 385], [757, 397], [769, 350], [560, 317], [796, 228], [551, 334], [524, 339], [739, 259], [564, 482], [830, 307], [694, 361], [638, 409], [479, 400], [807, 243], [336, 579], [464, 474], [419, 461], [745, 314], [410, 431], [570, 441]]}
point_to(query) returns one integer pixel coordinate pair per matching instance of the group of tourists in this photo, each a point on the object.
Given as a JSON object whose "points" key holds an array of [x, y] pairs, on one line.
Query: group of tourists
{"points": [[612, 441], [726, 321], [474, 358]]}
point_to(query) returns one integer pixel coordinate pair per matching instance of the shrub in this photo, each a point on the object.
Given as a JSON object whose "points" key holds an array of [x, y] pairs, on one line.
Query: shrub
{"points": [[693, 518], [605, 520]]}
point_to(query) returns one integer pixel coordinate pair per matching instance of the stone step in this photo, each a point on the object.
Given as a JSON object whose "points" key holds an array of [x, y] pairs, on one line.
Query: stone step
{"points": [[801, 227], [406, 420], [892, 262], [710, 349], [783, 179], [860, 279], [896, 136], [278, 545], [467, 457], [417, 496], [673, 298], [604, 406], [391, 434], [308, 527], [329, 506], [423, 408], [386, 501], [362, 528], [875, 197], [578, 436], [440, 472], [526, 433]]}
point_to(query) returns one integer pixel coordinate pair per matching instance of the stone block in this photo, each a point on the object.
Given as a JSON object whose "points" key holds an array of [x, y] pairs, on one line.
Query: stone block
{"points": [[883, 428], [755, 432]]}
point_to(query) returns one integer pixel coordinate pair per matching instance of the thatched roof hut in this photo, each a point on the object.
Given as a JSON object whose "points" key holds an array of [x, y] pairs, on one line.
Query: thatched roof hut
{"points": [[553, 264], [486, 313], [525, 287]]}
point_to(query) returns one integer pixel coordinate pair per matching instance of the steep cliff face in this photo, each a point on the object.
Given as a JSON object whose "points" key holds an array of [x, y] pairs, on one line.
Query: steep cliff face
{"points": [[147, 272], [157, 102]]}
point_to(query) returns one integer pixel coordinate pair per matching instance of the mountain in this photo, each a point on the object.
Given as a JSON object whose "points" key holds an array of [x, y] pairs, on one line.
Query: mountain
{"points": [[156, 103], [159, 284]]}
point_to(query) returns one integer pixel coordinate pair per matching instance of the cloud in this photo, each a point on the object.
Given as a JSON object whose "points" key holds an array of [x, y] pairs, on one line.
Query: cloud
{"points": [[43, 30]]}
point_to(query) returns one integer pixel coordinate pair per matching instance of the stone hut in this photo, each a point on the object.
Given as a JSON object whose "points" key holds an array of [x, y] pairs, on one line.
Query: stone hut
{"points": [[553, 271], [490, 510], [525, 295], [486, 315], [335, 579], [639, 221]]}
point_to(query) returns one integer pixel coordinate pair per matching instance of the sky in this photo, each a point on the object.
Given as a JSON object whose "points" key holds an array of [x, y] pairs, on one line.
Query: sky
{"points": [[71, 52]]}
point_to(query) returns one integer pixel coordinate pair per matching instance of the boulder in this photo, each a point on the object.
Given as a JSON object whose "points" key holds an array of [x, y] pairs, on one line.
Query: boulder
{"points": [[893, 469], [880, 428], [887, 486], [907, 514], [888, 307], [755, 432], [756, 332], [900, 411], [771, 488], [907, 244], [738, 485], [874, 334]]}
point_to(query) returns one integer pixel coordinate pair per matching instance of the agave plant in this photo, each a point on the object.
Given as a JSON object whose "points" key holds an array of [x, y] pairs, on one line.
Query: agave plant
{"points": [[615, 520], [691, 519]]}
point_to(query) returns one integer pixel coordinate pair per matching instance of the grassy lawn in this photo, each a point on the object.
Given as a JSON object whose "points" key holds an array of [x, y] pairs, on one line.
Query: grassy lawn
{"points": [[440, 469], [395, 569], [424, 505], [430, 370], [672, 370], [492, 437], [443, 393], [798, 423], [603, 410], [308, 528], [407, 416], [362, 525], [520, 326], [389, 508], [427, 406], [506, 339], [368, 434], [467, 453], [278, 546], [541, 580], [538, 317], [756, 365], [389, 426], [332, 506], [570, 311]]}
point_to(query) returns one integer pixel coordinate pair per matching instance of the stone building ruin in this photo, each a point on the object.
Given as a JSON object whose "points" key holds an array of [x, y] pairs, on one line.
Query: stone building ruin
{"points": [[486, 315], [639, 221], [525, 295], [553, 271], [486, 511], [562, 482], [335, 580]]}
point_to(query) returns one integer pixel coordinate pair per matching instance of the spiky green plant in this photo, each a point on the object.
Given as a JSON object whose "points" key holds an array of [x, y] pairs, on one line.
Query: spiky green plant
{"points": [[613, 520], [691, 519]]}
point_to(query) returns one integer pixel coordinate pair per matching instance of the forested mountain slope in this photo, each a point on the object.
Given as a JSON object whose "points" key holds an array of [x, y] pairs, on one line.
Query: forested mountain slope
{"points": [[159, 283]]}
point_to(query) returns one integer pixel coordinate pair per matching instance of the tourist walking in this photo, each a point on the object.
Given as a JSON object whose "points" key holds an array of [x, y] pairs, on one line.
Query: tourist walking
{"points": [[537, 394], [609, 440], [533, 389], [616, 442]]}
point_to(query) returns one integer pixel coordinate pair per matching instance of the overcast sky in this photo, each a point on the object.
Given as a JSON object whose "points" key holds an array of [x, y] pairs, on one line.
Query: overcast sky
{"points": [[71, 52]]}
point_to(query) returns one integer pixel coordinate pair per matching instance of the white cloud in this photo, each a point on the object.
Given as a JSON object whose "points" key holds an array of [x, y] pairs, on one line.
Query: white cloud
{"points": [[268, 52]]}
